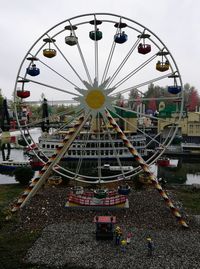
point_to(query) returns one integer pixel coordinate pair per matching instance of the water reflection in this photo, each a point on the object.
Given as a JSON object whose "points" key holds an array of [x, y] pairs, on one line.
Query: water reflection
{"points": [[16, 154], [184, 171]]}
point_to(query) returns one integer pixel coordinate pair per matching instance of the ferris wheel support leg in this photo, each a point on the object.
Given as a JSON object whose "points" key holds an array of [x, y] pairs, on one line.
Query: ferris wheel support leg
{"points": [[145, 168], [45, 172]]}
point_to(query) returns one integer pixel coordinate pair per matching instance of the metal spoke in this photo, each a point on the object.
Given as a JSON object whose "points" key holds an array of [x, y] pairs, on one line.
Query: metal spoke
{"points": [[141, 85], [81, 55], [119, 83], [67, 61], [113, 145], [141, 114], [50, 86], [123, 62], [99, 149], [82, 155], [138, 129], [109, 57], [52, 69]]}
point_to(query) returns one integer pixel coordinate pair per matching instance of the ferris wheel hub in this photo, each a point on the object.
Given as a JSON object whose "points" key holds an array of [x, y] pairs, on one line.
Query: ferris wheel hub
{"points": [[95, 99]]}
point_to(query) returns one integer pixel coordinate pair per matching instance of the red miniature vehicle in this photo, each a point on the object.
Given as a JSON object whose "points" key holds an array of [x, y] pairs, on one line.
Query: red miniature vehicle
{"points": [[104, 227]]}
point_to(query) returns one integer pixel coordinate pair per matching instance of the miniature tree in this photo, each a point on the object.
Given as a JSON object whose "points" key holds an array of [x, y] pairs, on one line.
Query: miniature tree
{"points": [[23, 175]]}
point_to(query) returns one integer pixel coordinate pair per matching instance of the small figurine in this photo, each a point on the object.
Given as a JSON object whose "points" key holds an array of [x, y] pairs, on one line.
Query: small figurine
{"points": [[123, 245], [150, 246], [128, 238], [118, 234]]}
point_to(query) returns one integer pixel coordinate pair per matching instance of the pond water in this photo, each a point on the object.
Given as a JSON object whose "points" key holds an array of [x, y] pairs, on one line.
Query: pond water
{"points": [[184, 173], [16, 154], [183, 170], [187, 172]]}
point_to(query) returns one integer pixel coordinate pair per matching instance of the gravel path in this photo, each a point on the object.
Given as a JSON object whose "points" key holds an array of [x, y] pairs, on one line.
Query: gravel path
{"points": [[68, 237]]}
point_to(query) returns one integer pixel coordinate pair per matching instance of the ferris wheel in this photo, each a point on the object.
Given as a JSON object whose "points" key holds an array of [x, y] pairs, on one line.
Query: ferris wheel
{"points": [[103, 65]]}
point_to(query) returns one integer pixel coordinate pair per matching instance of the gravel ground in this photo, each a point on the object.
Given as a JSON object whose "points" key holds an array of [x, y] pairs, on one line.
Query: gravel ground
{"points": [[68, 237]]}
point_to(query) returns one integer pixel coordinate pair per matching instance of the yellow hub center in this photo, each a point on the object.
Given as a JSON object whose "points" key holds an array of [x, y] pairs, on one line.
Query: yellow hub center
{"points": [[95, 99]]}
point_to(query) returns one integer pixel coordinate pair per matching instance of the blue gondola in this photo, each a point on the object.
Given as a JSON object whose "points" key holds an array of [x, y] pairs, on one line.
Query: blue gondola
{"points": [[33, 70], [121, 38], [124, 189], [174, 89]]}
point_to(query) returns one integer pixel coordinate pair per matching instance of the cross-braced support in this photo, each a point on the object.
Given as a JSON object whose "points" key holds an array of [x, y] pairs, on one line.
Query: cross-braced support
{"points": [[45, 172], [146, 169]]}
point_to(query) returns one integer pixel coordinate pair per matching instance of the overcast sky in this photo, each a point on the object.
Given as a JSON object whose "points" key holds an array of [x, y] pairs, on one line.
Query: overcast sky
{"points": [[175, 22]]}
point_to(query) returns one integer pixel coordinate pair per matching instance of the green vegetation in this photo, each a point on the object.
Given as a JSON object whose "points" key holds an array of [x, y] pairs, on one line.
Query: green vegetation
{"points": [[13, 243], [23, 175], [13, 247], [7, 194], [190, 200]]}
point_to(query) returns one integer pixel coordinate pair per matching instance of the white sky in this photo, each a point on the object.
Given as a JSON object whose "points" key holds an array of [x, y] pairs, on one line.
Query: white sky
{"points": [[175, 22]]}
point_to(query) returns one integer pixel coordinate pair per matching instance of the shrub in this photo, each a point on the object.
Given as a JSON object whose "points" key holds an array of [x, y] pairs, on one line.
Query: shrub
{"points": [[23, 175]]}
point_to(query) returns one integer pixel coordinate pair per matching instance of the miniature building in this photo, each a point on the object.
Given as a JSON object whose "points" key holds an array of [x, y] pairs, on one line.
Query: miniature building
{"points": [[104, 227]]}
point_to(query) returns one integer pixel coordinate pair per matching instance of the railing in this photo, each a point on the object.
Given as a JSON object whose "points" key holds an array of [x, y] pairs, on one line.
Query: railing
{"points": [[190, 145], [85, 201]]}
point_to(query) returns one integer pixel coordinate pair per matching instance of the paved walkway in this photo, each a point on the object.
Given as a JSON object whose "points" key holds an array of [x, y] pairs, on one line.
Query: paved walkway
{"points": [[72, 244]]}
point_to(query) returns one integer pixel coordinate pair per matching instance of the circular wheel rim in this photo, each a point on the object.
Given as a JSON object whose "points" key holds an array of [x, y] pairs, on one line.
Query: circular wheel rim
{"points": [[108, 78]]}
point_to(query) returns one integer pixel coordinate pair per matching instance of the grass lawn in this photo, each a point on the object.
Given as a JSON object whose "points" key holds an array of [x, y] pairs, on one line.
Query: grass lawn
{"points": [[13, 244], [190, 200], [7, 194]]}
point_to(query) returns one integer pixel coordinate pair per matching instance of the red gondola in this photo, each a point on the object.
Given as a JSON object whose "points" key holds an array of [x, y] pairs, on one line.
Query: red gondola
{"points": [[23, 94], [144, 48]]}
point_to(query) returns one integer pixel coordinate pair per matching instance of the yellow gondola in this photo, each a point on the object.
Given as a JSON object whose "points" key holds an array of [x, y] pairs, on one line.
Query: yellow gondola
{"points": [[162, 66], [49, 52]]}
